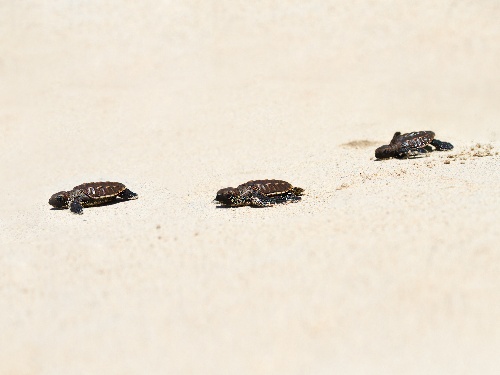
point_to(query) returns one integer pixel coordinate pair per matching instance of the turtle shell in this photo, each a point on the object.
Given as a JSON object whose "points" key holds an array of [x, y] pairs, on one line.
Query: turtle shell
{"points": [[101, 190], [268, 187], [415, 139]]}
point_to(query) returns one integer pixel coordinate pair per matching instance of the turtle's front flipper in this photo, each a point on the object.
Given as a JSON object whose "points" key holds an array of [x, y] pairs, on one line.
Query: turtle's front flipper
{"points": [[75, 206], [395, 138], [128, 195], [441, 146]]}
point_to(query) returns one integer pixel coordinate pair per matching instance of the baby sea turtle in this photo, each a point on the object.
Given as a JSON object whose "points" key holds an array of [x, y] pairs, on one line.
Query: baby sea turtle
{"points": [[259, 193], [410, 144], [90, 194]]}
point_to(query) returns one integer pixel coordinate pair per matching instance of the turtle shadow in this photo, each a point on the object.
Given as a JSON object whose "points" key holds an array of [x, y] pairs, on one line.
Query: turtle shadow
{"points": [[412, 158], [222, 207], [111, 203], [116, 201], [226, 207], [423, 155]]}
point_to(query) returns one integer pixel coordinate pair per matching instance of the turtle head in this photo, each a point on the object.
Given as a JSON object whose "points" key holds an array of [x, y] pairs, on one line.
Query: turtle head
{"points": [[384, 152], [228, 196], [59, 200]]}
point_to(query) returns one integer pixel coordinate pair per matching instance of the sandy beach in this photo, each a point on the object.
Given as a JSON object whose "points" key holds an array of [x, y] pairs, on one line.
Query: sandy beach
{"points": [[384, 267]]}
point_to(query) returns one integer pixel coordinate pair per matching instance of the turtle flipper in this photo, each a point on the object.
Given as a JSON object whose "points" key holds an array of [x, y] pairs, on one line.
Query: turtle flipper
{"points": [[391, 150], [128, 195], [395, 138], [441, 146], [75, 206]]}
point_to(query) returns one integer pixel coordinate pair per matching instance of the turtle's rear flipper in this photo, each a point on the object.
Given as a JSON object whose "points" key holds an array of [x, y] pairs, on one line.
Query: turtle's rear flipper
{"points": [[76, 207], [127, 195], [441, 146]]}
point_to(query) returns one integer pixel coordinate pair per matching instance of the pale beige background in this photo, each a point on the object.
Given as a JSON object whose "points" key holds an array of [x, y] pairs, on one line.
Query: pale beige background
{"points": [[383, 268]]}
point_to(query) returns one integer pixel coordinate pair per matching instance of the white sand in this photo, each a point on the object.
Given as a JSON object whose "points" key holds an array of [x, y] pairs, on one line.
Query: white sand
{"points": [[383, 268]]}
